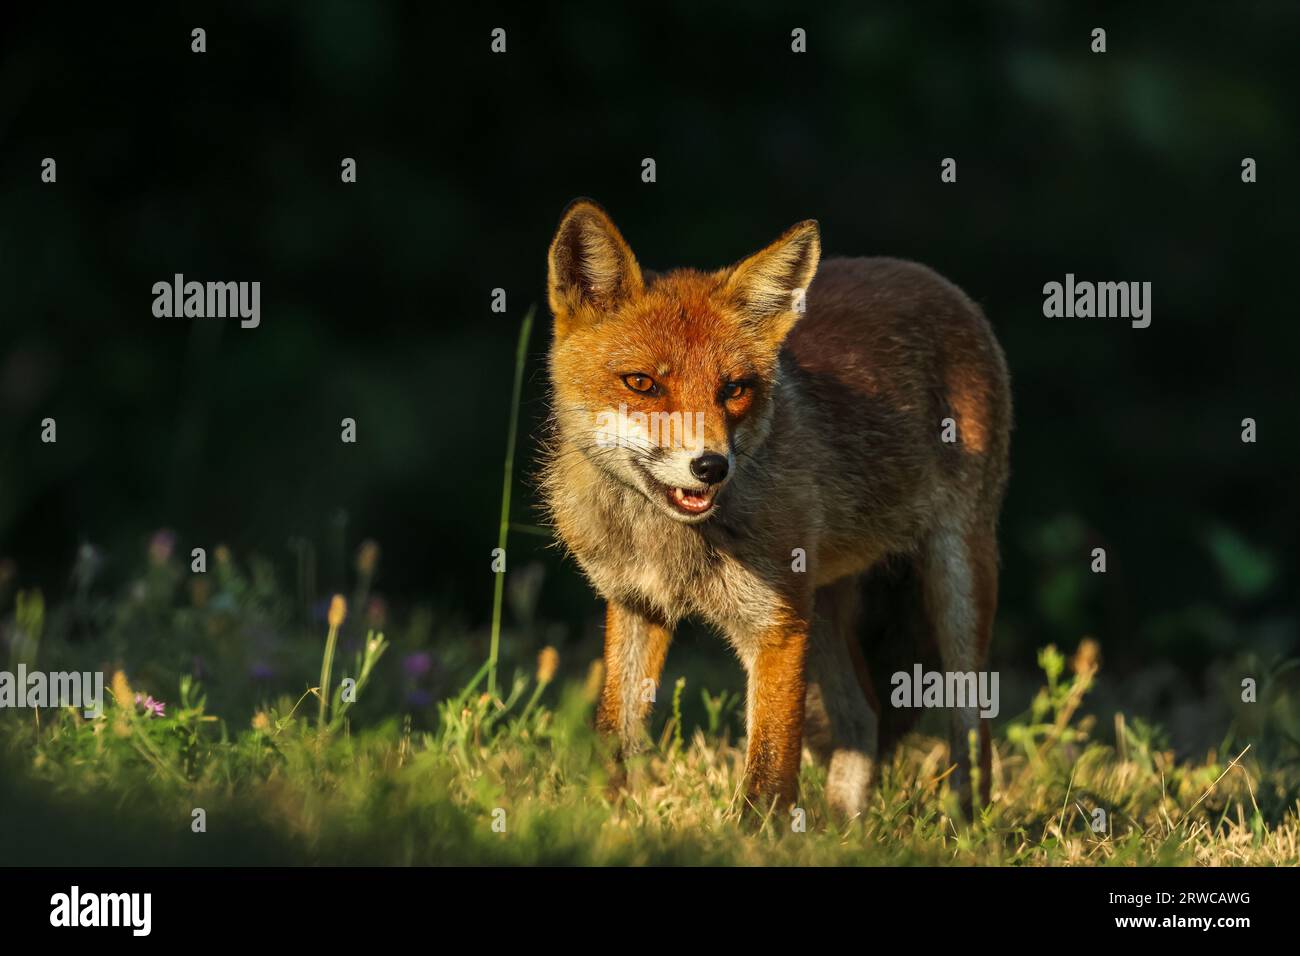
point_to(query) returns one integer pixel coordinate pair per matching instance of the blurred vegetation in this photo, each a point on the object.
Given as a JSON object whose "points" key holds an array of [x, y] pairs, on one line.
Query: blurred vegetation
{"points": [[173, 773], [406, 759]]}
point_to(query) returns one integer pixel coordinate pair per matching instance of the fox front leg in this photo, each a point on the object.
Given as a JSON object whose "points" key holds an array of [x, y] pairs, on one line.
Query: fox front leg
{"points": [[775, 711], [635, 648]]}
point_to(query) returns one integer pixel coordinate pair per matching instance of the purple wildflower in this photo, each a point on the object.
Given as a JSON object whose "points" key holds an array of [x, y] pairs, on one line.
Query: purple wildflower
{"points": [[151, 707], [161, 546], [417, 665]]}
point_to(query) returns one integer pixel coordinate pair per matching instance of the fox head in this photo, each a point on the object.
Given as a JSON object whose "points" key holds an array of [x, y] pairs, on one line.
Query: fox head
{"points": [[666, 382]]}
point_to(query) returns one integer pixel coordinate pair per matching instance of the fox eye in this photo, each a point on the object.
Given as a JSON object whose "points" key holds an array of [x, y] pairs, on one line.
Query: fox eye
{"points": [[641, 383], [733, 390]]}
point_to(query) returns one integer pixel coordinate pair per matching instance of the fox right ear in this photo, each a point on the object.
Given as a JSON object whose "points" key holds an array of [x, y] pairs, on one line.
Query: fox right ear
{"points": [[591, 268], [765, 285]]}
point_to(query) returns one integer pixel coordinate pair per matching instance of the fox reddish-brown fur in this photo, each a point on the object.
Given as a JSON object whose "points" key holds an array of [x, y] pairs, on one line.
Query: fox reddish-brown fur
{"points": [[818, 494]]}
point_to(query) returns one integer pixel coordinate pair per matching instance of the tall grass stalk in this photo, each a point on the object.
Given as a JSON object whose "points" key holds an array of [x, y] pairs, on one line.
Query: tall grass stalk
{"points": [[521, 354], [337, 612]]}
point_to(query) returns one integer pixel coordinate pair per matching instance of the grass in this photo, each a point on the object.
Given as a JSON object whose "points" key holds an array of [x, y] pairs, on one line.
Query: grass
{"points": [[408, 762], [507, 483], [520, 778]]}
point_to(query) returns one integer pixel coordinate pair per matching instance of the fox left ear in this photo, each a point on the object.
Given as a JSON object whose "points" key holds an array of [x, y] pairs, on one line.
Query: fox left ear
{"points": [[769, 285], [591, 269]]}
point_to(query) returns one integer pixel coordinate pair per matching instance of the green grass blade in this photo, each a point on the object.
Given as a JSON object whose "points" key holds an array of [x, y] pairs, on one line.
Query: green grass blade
{"points": [[521, 355]]}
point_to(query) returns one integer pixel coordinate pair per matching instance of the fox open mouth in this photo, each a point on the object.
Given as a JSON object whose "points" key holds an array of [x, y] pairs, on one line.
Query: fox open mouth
{"points": [[690, 501], [691, 504]]}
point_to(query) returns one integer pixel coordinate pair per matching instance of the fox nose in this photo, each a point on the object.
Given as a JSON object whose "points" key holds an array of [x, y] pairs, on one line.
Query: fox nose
{"points": [[709, 467]]}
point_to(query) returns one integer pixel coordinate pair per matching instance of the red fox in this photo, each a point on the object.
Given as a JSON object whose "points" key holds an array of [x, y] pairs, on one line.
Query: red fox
{"points": [[765, 451]]}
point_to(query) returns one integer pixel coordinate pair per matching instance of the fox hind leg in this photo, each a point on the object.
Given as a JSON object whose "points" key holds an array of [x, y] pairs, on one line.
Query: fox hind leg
{"points": [[840, 727]]}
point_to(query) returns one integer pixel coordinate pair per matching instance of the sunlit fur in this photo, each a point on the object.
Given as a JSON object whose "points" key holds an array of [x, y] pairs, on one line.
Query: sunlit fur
{"points": [[836, 454]]}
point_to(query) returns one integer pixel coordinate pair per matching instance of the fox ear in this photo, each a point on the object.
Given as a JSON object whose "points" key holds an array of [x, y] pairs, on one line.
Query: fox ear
{"points": [[769, 285], [591, 269]]}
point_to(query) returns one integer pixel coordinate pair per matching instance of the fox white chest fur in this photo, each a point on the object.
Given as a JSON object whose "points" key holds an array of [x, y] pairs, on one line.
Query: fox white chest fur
{"points": [[636, 556]]}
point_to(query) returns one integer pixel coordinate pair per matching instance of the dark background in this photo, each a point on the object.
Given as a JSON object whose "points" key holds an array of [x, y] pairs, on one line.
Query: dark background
{"points": [[375, 296]]}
